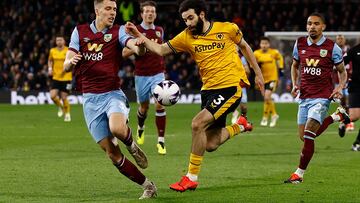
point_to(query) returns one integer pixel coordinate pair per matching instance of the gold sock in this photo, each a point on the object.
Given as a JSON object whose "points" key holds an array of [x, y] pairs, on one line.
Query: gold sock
{"points": [[233, 129], [66, 106], [57, 102], [195, 164], [272, 108], [266, 109]]}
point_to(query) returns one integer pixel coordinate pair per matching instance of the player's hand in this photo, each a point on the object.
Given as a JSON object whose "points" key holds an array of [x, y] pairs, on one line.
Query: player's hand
{"points": [[50, 72], [140, 41], [74, 60], [295, 91], [131, 29], [337, 93], [259, 81]]}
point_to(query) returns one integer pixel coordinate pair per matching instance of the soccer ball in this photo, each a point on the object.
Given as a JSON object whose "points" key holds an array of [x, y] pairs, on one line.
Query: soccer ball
{"points": [[167, 93]]}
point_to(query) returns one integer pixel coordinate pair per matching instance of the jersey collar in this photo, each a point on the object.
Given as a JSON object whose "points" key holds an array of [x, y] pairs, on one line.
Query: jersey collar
{"points": [[322, 40], [152, 26], [94, 30], [208, 30]]}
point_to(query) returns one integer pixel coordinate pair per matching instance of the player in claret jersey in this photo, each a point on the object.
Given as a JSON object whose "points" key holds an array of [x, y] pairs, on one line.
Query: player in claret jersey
{"points": [[94, 53], [213, 47], [316, 56], [149, 71]]}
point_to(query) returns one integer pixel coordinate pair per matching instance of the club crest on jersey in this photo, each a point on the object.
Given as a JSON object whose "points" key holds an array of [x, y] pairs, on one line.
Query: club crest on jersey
{"points": [[323, 52], [303, 51], [158, 34], [219, 36], [107, 37]]}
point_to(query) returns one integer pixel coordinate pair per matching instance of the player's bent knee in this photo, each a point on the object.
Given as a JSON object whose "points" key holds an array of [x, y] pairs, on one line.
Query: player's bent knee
{"points": [[119, 131], [196, 125], [211, 147]]}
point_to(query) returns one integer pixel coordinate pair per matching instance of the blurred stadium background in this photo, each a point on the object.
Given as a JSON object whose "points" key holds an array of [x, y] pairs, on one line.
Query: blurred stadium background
{"points": [[43, 159], [29, 27]]}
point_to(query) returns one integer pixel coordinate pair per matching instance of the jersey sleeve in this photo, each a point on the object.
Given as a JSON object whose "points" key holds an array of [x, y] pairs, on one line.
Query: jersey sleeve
{"points": [[337, 55], [123, 36], [74, 41], [178, 43], [51, 55], [295, 52], [235, 33], [279, 58]]}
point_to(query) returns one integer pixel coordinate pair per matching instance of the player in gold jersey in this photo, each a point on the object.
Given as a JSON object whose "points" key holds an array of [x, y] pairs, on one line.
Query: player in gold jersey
{"points": [[269, 61], [61, 81], [213, 47]]}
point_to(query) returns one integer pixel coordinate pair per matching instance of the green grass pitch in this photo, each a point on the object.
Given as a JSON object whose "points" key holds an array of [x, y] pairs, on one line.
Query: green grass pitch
{"points": [[43, 159]]}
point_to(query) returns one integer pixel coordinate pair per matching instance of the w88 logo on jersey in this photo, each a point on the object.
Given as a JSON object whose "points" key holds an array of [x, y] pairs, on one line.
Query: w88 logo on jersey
{"points": [[312, 70]]}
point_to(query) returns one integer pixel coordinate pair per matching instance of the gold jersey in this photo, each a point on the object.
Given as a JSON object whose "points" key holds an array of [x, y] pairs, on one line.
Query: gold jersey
{"points": [[58, 57], [269, 62], [215, 54]]}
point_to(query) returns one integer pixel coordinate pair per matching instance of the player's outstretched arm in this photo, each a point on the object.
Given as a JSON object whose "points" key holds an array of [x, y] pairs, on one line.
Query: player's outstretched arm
{"points": [[154, 47], [71, 60], [337, 93], [249, 55], [294, 77]]}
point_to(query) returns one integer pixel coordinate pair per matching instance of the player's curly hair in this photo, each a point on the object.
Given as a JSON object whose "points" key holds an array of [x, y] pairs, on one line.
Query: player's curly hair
{"points": [[197, 5]]}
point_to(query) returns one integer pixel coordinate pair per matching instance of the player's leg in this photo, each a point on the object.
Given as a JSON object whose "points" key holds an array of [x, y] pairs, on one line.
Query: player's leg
{"points": [[267, 105], [242, 106], [215, 103], [117, 112], [54, 95], [98, 125], [339, 115], [110, 146], [66, 107], [316, 110], [273, 113], [218, 133], [354, 116], [160, 115], [160, 120], [141, 117], [199, 124], [143, 91]]}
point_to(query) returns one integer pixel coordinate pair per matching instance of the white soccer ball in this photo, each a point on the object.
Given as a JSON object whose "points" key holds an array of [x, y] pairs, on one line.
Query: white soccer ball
{"points": [[167, 93]]}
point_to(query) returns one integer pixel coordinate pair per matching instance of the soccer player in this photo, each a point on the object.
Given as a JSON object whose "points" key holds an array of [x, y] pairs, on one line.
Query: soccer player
{"points": [[61, 81], [353, 56], [341, 41], [93, 54], [213, 46], [269, 60], [149, 71], [315, 55]]}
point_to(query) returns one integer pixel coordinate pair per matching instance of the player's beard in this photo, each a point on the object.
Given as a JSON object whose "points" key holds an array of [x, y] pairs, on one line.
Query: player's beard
{"points": [[198, 28]]}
